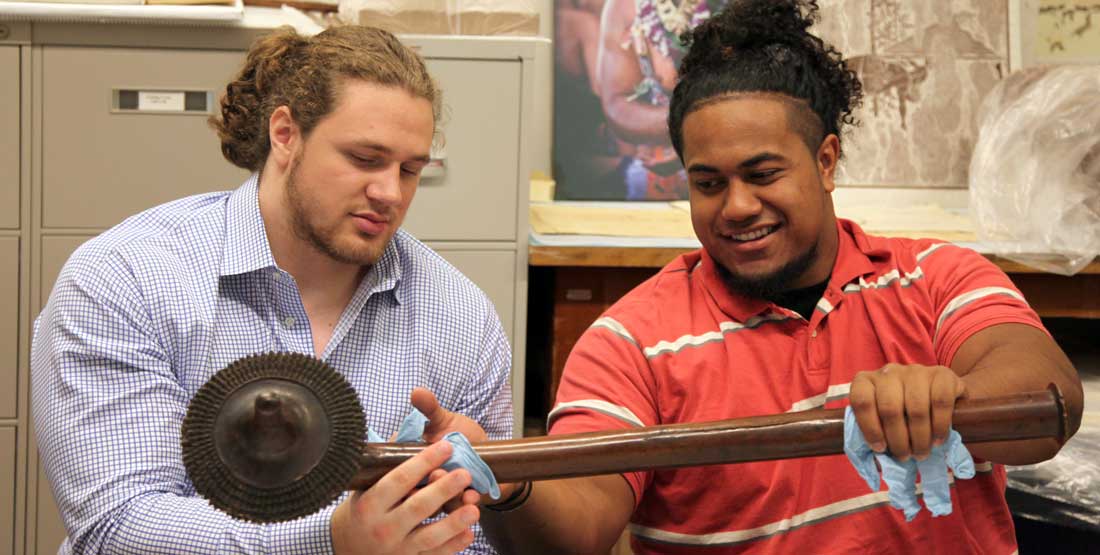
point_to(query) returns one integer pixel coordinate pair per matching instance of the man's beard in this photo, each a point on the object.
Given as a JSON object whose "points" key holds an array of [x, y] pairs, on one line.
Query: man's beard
{"points": [[770, 285], [321, 239]]}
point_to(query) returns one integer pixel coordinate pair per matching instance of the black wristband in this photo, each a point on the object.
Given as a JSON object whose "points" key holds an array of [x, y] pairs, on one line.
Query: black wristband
{"points": [[514, 501]]}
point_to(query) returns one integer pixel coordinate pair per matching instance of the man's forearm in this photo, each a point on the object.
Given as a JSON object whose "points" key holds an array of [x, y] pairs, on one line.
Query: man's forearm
{"points": [[1012, 358], [580, 515]]}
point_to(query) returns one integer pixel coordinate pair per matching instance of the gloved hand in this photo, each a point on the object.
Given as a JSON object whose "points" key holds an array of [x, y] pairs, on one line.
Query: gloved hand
{"points": [[463, 456], [900, 477]]}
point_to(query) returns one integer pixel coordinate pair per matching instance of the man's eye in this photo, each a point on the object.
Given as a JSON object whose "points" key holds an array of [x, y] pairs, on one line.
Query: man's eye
{"points": [[365, 161], [410, 171], [707, 185], [766, 176]]}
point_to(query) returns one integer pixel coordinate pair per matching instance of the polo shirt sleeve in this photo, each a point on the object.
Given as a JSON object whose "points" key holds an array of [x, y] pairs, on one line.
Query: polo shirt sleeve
{"points": [[108, 407], [606, 385], [969, 293]]}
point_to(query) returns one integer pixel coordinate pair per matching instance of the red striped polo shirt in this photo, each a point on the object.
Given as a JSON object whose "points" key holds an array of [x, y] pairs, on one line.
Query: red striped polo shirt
{"points": [[682, 347]]}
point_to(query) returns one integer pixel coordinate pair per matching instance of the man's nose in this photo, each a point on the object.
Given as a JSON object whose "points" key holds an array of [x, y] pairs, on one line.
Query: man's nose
{"points": [[384, 187], [741, 202]]}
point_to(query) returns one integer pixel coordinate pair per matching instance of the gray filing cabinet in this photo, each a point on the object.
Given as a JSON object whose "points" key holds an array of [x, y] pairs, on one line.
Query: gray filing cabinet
{"points": [[9, 137], [7, 489], [99, 163], [11, 294], [9, 327]]}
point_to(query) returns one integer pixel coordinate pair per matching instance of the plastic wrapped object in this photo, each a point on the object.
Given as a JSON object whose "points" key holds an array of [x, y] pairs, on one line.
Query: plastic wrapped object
{"points": [[1035, 169], [1064, 490], [445, 17]]}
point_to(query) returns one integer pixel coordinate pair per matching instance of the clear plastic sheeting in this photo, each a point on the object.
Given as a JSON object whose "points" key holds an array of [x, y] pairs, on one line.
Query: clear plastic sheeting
{"points": [[1035, 170], [1064, 490]]}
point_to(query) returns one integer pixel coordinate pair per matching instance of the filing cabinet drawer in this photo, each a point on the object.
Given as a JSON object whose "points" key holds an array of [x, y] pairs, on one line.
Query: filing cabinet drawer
{"points": [[476, 198], [9, 137], [56, 250], [7, 489], [9, 325], [494, 271], [100, 164]]}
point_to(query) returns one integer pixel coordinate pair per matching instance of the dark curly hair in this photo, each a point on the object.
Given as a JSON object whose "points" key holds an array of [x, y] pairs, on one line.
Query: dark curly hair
{"points": [[764, 46]]}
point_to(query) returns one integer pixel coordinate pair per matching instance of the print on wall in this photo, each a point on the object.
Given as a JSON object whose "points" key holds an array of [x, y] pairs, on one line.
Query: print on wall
{"points": [[925, 66]]}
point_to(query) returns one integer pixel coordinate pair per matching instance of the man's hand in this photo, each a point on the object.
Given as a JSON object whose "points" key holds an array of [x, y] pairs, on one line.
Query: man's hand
{"points": [[386, 519], [906, 409], [442, 422]]}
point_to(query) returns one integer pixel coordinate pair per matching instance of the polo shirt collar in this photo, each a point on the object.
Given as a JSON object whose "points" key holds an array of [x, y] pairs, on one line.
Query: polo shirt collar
{"points": [[853, 260], [854, 255], [246, 246]]}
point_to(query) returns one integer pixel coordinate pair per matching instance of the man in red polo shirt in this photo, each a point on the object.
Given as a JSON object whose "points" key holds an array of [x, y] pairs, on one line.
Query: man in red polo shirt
{"points": [[787, 308]]}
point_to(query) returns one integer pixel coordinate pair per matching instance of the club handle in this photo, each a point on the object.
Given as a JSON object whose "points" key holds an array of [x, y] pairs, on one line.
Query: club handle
{"points": [[790, 435]]}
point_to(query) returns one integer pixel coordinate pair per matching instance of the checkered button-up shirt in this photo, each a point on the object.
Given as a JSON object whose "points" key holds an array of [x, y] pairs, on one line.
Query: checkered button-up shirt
{"points": [[142, 315]]}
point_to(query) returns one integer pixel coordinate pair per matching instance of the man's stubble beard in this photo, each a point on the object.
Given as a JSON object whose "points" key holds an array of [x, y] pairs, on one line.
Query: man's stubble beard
{"points": [[322, 240], [770, 285]]}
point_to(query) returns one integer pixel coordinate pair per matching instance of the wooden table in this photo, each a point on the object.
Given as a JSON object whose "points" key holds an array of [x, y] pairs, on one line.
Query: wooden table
{"points": [[586, 280]]}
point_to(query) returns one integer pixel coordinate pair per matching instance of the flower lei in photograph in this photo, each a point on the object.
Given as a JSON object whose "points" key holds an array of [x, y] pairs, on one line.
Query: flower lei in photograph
{"points": [[658, 26], [663, 21]]}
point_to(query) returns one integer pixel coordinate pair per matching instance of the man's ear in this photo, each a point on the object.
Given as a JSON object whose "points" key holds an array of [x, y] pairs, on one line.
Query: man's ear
{"points": [[285, 136], [828, 154]]}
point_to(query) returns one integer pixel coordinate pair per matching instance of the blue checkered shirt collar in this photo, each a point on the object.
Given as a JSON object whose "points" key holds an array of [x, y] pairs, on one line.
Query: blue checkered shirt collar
{"points": [[248, 250]]}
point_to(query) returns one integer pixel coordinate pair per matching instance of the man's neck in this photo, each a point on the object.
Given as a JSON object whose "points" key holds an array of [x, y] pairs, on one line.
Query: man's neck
{"points": [[323, 283]]}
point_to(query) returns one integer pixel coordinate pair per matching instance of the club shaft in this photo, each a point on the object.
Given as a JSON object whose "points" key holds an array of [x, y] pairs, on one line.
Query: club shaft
{"points": [[791, 435]]}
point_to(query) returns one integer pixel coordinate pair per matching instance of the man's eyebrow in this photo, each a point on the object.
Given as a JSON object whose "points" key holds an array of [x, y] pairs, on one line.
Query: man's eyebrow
{"points": [[754, 161], [761, 158], [702, 168], [385, 150]]}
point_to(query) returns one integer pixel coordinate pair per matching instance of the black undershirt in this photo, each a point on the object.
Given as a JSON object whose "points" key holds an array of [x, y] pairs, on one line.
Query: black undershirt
{"points": [[801, 300]]}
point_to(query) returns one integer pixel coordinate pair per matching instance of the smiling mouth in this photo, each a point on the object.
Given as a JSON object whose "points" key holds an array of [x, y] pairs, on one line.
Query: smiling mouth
{"points": [[754, 235]]}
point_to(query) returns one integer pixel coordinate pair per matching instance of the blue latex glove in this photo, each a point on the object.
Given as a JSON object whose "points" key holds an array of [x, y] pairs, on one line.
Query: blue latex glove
{"points": [[901, 477], [463, 455]]}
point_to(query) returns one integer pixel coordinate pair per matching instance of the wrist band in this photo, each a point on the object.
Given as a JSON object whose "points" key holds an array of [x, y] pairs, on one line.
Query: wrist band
{"points": [[514, 501]]}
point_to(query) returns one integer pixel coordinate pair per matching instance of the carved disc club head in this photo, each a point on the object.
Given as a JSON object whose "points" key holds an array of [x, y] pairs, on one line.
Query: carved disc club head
{"points": [[273, 437]]}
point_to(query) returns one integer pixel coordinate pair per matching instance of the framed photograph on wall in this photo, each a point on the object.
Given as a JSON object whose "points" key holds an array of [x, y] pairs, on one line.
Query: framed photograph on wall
{"points": [[615, 65], [925, 66]]}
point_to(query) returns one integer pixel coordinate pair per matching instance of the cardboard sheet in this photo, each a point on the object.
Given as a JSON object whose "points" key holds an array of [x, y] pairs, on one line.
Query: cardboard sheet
{"points": [[610, 219], [673, 220]]}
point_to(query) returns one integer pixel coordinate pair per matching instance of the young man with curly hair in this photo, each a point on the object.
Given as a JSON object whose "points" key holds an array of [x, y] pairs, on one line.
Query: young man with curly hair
{"points": [[786, 308], [307, 257]]}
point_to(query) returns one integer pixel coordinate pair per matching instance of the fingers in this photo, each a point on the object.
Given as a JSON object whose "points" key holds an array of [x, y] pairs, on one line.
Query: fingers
{"points": [[428, 405], [396, 484], [450, 535], [429, 500], [906, 410], [890, 401], [467, 497], [946, 387], [862, 397], [917, 414]]}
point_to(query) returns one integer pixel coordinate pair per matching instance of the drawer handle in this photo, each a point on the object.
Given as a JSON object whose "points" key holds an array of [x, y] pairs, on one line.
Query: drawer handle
{"points": [[162, 101]]}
